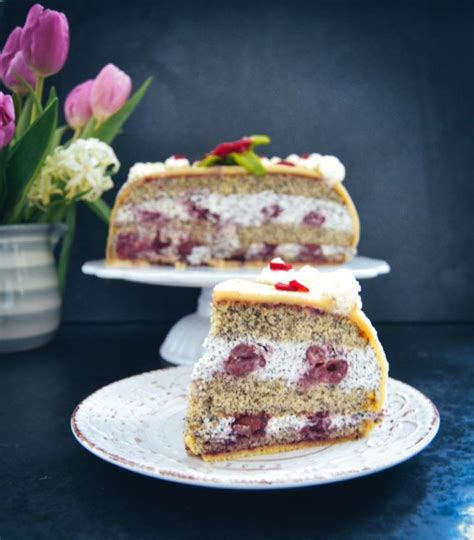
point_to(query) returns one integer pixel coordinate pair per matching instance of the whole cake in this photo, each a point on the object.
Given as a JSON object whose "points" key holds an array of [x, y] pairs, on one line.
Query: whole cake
{"points": [[290, 361], [234, 206]]}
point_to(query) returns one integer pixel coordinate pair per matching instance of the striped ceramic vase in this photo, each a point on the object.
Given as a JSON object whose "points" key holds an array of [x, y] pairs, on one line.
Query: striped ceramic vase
{"points": [[30, 302]]}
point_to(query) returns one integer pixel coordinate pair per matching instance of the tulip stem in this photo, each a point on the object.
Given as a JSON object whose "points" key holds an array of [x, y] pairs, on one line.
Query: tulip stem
{"points": [[18, 105], [39, 94]]}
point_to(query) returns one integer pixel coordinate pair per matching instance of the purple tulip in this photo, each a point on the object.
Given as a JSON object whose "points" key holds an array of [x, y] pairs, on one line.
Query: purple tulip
{"points": [[16, 72], [7, 119], [110, 91], [11, 47], [77, 107], [45, 40]]}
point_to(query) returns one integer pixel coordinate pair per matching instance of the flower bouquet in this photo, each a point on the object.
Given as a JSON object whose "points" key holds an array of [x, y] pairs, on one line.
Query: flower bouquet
{"points": [[46, 169]]}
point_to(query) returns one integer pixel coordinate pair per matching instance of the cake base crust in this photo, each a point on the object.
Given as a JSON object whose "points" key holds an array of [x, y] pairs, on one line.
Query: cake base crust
{"points": [[224, 263], [362, 431]]}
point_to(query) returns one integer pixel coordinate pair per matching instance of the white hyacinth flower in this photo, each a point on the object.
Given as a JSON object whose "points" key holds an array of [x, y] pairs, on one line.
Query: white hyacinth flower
{"points": [[80, 171]]}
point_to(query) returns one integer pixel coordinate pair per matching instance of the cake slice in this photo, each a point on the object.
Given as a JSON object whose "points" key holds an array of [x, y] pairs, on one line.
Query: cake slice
{"points": [[290, 361], [234, 207]]}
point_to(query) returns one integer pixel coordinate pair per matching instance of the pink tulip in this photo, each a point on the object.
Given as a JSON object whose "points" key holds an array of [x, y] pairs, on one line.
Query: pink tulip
{"points": [[45, 40], [110, 91], [16, 72], [11, 47], [7, 119], [77, 107]]}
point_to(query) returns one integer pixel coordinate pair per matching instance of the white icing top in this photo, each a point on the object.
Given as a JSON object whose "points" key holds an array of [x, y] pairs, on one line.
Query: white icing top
{"points": [[339, 286], [329, 167]]}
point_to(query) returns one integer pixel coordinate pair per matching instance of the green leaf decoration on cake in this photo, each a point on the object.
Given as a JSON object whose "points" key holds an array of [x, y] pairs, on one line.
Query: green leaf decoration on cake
{"points": [[239, 153]]}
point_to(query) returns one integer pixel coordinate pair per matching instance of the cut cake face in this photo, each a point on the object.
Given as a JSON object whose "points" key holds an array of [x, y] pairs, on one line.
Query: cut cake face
{"points": [[178, 213], [290, 361]]}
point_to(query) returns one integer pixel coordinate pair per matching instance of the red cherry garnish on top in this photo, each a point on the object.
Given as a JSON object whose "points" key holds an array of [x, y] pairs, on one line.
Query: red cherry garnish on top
{"points": [[226, 148], [179, 156], [298, 286], [274, 265], [292, 286]]}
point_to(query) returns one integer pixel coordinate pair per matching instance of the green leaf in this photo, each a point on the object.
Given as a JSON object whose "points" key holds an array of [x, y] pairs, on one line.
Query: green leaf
{"points": [[100, 209], [24, 119], [249, 161], [111, 127], [208, 161], [27, 158], [52, 95], [88, 129], [58, 135], [257, 140]]}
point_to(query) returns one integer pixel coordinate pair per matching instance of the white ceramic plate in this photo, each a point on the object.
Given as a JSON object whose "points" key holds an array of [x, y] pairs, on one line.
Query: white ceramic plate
{"points": [[137, 424], [203, 276]]}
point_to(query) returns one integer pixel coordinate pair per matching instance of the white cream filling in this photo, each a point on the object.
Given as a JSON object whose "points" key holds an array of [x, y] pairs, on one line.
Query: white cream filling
{"points": [[221, 430], [216, 430], [245, 210], [284, 424], [291, 251], [287, 361]]}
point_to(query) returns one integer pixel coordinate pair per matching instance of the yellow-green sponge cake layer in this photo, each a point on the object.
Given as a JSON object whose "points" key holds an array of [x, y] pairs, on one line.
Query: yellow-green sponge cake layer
{"points": [[289, 360]]}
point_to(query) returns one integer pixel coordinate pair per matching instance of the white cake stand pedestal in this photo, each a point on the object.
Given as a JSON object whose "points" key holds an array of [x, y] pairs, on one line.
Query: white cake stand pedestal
{"points": [[183, 344]]}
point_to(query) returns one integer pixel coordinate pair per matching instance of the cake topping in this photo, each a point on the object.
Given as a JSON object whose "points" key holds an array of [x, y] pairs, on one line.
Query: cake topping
{"points": [[280, 264], [226, 148], [293, 285], [339, 287], [176, 162], [238, 153], [330, 168], [241, 153], [298, 286]]}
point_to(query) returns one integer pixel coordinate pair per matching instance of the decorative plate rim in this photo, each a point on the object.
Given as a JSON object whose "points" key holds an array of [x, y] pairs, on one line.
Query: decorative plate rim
{"points": [[199, 478]]}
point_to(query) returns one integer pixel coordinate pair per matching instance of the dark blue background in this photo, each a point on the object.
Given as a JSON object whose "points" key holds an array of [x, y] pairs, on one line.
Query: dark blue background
{"points": [[386, 86]]}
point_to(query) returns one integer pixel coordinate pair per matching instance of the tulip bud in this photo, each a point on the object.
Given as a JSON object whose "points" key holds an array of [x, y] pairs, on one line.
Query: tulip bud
{"points": [[7, 119], [11, 47], [77, 107], [16, 72], [110, 91], [45, 40]]}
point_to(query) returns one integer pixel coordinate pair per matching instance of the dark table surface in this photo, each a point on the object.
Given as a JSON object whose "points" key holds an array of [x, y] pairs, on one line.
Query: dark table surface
{"points": [[50, 487]]}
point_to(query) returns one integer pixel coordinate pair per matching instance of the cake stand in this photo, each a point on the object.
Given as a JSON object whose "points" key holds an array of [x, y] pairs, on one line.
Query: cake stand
{"points": [[183, 344]]}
